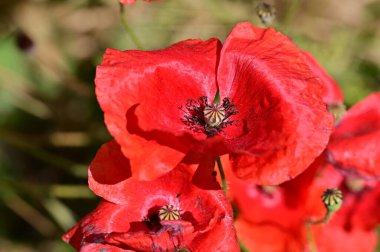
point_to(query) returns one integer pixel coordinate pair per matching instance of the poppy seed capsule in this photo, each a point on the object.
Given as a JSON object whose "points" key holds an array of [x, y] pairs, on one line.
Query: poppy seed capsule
{"points": [[214, 114], [211, 119], [332, 199], [168, 212]]}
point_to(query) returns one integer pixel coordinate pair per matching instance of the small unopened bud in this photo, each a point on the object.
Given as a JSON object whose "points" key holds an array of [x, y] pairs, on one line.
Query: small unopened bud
{"points": [[338, 109], [266, 13], [333, 199], [355, 184]]}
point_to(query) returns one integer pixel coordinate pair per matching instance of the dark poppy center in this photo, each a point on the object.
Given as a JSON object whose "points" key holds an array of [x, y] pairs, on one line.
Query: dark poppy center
{"points": [[208, 118]]}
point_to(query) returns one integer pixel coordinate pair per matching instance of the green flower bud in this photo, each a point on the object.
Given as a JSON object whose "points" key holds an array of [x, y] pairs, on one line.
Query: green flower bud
{"points": [[333, 199], [338, 110], [266, 13], [355, 184]]}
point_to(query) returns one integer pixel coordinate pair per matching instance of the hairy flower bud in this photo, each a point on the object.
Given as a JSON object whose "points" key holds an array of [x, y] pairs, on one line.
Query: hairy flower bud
{"points": [[266, 13], [338, 109]]}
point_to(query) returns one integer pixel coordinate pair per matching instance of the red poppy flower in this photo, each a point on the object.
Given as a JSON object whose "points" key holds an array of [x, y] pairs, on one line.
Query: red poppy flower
{"points": [[128, 2], [273, 218], [166, 214], [355, 143], [353, 227], [159, 105], [285, 211]]}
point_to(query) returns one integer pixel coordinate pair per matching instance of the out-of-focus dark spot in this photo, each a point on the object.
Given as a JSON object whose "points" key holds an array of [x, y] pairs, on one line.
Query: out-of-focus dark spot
{"points": [[24, 42]]}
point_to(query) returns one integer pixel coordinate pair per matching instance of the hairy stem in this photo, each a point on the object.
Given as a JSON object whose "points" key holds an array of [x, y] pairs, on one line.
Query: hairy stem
{"points": [[217, 97], [310, 238], [222, 176], [325, 219], [128, 29]]}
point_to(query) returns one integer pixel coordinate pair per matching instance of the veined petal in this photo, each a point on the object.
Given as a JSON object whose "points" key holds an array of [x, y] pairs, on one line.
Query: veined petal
{"points": [[331, 92], [205, 220], [283, 122], [141, 94]]}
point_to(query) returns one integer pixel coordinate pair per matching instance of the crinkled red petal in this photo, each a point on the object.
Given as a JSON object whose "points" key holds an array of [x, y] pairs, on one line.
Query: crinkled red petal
{"points": [[355, 143], [283, 124], [141, 93], [109, 175], [206, 216], [174, 235], [90, 232], [331, 92]]}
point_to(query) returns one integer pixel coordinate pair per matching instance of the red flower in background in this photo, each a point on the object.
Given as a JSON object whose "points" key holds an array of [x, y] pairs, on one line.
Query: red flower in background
{"points": [[284, 211], [167, 214], [272, 219], [159, 105], [355, 143], [128, 2]]}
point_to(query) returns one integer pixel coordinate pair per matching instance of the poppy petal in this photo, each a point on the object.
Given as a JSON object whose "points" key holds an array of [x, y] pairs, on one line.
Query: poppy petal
{"points": [[355, 143], [205, 220], [331, 90], [283, 124], [141, 93]]}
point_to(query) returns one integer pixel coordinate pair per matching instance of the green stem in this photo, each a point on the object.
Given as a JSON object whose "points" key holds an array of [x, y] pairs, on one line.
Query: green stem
{"points": [[291, 12], [243, 248], [217, 97], [310, 238], [128, 29], [222, 176], [325, 219]]}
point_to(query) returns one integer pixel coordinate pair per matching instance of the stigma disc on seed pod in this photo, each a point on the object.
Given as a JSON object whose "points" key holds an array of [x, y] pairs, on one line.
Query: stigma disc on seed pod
{"points": [[332, 199], [169, 212]]}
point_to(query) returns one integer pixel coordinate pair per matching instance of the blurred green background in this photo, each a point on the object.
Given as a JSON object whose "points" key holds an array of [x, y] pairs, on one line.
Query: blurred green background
{"points": [[51, 125]]}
